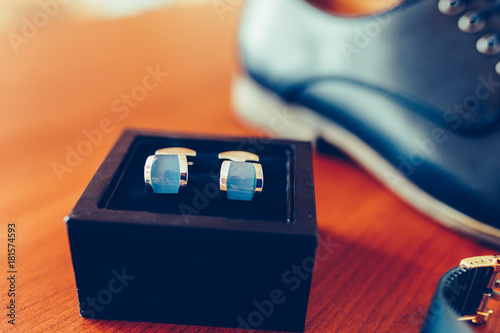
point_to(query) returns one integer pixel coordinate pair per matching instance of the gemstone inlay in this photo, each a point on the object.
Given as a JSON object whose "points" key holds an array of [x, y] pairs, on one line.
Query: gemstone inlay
{"points": [[241, 181], [165, 174]]}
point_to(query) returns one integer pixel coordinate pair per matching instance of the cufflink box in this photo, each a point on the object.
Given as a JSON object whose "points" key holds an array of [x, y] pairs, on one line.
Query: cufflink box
{"points": [[196, 257]]}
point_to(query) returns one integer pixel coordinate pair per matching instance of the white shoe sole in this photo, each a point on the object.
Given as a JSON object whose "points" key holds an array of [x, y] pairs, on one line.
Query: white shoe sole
{"points": [[263, 109]]}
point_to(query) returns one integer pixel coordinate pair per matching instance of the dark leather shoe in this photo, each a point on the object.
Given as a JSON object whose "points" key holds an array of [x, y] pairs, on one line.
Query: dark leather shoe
{"points": [[412, 94]]}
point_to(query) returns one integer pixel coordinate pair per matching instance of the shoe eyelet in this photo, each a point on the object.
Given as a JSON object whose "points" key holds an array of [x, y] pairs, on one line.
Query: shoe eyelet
{"points": [[497, 68], [488, 44], [471, 22], [451, 7]]}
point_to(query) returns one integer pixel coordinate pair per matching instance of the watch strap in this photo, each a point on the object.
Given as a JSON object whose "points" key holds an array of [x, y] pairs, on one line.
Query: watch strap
{"points": [[462, 295]]}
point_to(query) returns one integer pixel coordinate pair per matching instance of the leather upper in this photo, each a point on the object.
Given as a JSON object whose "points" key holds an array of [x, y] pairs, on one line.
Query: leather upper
{"points": [[408, 82], [412, 52]]}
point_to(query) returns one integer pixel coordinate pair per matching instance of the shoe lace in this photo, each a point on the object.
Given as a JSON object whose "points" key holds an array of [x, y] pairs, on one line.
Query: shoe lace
{"points": [[474, 21]]}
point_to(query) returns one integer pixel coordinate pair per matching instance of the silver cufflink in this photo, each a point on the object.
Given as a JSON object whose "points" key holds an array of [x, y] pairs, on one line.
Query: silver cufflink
{"points": [[240, 177], [167, 170]]}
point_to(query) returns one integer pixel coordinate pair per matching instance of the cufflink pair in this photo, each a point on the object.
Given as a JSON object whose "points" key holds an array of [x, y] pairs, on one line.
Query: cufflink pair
{"points": [[240, 177]]}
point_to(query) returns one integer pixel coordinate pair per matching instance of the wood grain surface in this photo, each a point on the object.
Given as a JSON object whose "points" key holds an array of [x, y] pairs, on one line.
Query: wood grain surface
{"points": [[64, 81]]}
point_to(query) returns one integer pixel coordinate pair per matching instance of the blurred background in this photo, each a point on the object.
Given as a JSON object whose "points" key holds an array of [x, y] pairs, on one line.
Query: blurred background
{"points": [[12, 10], [65, 65]]}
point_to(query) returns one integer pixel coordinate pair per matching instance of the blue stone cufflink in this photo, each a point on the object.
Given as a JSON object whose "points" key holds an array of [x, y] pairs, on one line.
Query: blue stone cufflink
{"points": [[239, 178], [167, 170]]}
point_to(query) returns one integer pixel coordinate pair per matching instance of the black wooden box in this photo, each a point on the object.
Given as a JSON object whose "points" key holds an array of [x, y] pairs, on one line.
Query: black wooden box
{"points": [[196, 257]]}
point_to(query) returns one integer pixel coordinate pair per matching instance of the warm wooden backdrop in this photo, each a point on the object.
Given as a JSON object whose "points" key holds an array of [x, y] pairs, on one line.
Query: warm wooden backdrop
{"points": [[64, 80]]}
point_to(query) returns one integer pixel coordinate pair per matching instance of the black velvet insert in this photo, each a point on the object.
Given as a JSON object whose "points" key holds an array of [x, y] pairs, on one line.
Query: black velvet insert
{"points": [[202, 197]]}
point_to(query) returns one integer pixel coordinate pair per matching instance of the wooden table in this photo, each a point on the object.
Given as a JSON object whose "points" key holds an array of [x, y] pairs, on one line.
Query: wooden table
{"points": [[64, 81]]}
